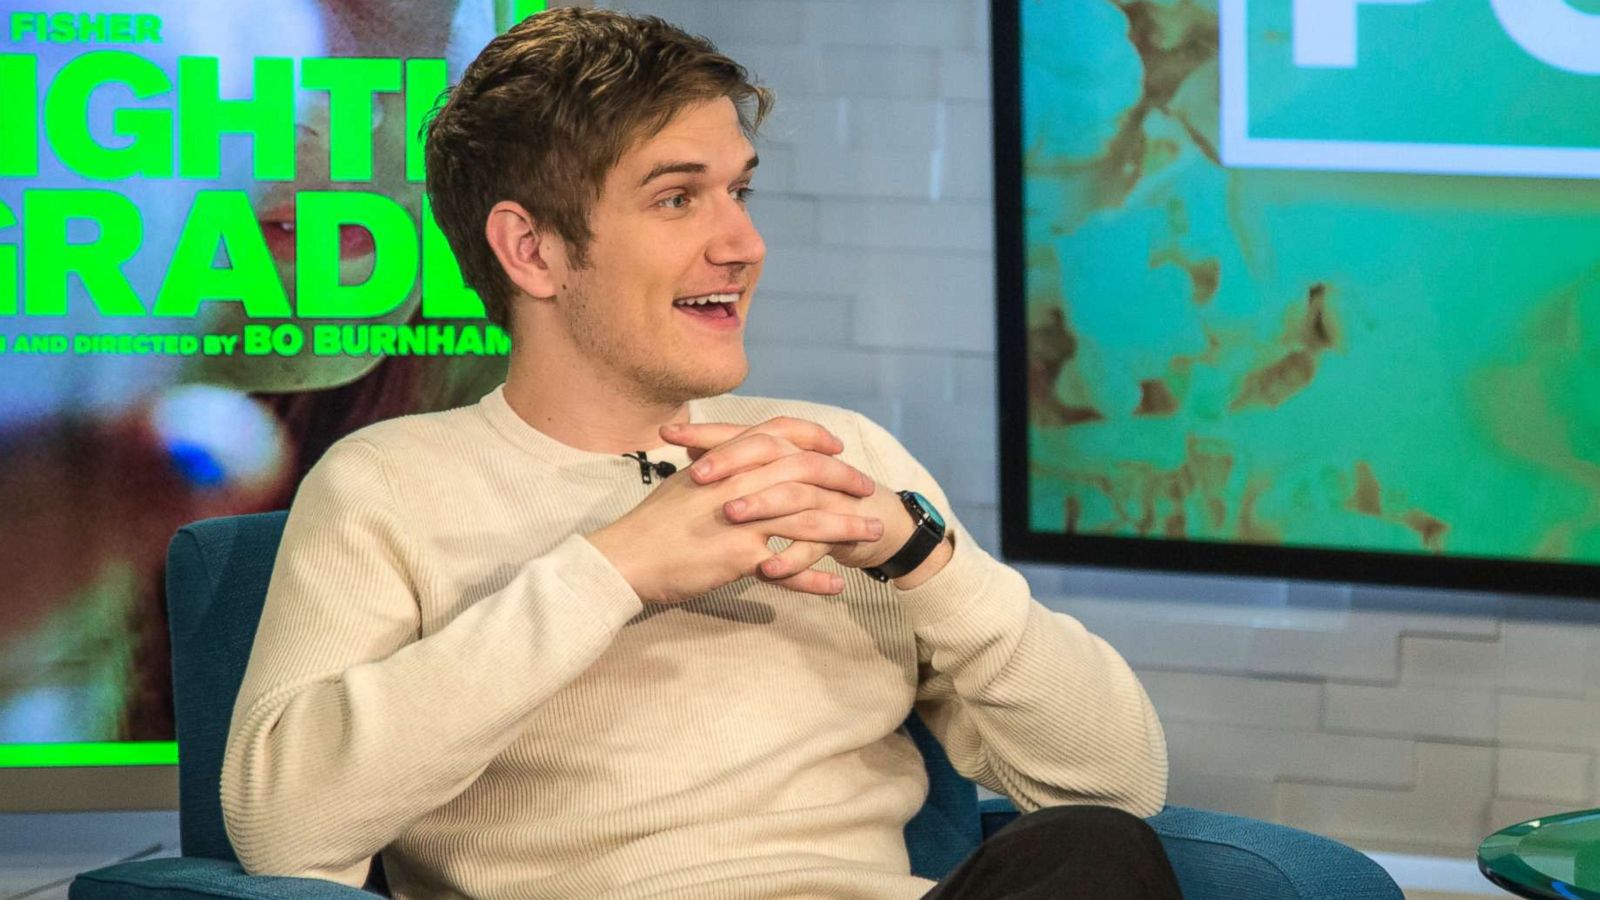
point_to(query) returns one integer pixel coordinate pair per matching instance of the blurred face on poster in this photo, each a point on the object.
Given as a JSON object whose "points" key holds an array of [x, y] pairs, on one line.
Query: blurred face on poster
{"points": [[398, 29]]}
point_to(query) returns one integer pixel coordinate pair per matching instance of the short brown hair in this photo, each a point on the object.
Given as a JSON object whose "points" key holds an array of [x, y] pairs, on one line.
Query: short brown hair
{"points": [[547, 109]]}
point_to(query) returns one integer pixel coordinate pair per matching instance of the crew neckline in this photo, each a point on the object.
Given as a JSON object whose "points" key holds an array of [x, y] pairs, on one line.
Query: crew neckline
{"points": [[520, 432]]}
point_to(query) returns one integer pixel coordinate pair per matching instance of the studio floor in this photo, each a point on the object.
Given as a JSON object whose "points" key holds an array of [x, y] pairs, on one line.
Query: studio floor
{"points": [[40, 853]]}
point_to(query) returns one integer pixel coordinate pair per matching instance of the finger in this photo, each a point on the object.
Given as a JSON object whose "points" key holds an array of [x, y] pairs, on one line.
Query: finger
{"points": [[793, 559], [810, 468], [803, 433], [792, 568], [743, 453], [702, 435], [814, 581], [818, 525], [782, 499]]}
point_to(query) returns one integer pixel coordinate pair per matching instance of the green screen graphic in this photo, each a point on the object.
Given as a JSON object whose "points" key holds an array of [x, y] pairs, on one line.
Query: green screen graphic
{"points": [[216, 259], [1281, 352], [107, 753], [1485, 87]]}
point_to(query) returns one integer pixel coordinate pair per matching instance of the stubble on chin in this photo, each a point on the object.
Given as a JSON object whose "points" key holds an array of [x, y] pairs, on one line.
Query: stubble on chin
{"points": [[668, 385], [654, 369]]}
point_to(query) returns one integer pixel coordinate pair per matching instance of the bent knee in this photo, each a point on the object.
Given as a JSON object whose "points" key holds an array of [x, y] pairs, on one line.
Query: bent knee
{"points": [[1084, 822]]}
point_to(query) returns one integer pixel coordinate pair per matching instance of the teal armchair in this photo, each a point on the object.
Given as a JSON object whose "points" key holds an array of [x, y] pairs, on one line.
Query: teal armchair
{"points": [[217, 574]]}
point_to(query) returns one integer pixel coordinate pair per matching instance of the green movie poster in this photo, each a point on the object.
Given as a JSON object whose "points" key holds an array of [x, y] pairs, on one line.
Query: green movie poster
{"points": [[215, 260]]}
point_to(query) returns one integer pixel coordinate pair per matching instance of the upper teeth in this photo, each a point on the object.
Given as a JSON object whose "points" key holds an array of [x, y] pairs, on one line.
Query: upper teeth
{"points": [[701, 301]]}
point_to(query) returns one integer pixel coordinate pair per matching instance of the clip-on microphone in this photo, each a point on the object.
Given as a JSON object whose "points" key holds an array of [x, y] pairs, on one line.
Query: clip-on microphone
{"points": [[662, 468]]}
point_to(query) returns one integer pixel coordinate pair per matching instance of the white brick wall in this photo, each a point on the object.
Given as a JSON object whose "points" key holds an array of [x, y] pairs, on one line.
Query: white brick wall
{"points": [[1405, 720]]}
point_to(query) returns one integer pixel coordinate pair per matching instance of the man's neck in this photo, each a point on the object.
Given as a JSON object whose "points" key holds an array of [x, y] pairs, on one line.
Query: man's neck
{"points": [[587, 414]]}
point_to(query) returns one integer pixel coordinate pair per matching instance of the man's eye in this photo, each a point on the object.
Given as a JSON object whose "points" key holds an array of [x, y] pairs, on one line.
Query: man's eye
{"points": [[742, 194]]}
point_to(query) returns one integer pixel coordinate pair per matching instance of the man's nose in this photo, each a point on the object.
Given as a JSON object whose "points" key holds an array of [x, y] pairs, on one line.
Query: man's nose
{"points": [[737, 242]]}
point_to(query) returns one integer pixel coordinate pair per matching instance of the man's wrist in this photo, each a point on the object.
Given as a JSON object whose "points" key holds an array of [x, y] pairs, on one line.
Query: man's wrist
{"points": [[909, 527], [602, 540], [931, 566], [912, 534]]}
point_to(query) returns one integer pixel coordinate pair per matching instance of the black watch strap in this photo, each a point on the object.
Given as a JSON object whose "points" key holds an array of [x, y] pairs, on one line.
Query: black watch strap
{"points": [[928, 531]]}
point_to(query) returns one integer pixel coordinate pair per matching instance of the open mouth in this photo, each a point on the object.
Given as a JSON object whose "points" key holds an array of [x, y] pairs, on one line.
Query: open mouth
{"points": [[710, 310], [714, 309], [278, 227]]}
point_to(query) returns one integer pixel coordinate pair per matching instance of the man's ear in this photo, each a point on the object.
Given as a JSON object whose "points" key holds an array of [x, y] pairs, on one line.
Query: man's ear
{"points": [[534, 261]]}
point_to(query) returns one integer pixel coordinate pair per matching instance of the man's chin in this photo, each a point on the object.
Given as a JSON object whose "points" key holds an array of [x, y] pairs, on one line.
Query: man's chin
{"points": [[707, 390], [710, 384], [729, 381]]}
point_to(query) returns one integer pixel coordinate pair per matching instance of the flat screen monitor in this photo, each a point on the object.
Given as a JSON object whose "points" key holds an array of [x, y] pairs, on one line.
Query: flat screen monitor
{"points": [[1302, 288]]}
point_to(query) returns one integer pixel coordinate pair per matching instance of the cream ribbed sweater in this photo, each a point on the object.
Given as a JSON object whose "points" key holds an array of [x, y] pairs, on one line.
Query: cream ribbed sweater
{"points": [[449, 672]]}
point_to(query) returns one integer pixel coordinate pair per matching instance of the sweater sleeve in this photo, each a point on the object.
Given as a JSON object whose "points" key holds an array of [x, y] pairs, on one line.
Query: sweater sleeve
{"points": [[349, 726], [1025, 701]]}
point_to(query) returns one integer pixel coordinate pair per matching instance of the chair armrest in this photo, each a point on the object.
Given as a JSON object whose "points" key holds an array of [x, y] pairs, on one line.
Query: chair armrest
{"points": [[189, 878], [1222, 857], [996, 813]]}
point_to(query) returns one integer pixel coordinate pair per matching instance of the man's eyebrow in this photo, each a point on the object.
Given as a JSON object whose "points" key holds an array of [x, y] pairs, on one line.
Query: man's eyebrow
{"points": [[691, 168]]}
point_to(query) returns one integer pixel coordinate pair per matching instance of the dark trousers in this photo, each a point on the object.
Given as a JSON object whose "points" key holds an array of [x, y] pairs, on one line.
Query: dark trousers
{"points": [[1065, 853]]}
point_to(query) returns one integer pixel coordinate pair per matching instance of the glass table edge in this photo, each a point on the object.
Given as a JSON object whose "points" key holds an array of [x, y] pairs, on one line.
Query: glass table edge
{"points": [[1499, 863]]}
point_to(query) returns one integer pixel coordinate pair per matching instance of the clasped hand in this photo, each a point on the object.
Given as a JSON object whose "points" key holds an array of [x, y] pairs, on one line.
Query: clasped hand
{"points": [[710, 525]]}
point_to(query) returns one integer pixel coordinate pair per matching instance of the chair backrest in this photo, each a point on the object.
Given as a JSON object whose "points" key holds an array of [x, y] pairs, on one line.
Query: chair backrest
{"points": [[217, 574]]}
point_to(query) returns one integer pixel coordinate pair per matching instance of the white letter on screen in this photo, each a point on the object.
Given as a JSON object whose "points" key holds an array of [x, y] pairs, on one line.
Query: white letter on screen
{"points": [[1325, 31], [1553, 32]]}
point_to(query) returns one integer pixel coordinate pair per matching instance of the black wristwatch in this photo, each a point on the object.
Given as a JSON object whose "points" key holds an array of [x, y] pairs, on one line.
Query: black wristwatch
{"points": [[929, 532]]}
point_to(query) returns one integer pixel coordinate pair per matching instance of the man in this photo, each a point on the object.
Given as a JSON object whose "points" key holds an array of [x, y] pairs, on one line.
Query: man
{"points": [[501, 649]]}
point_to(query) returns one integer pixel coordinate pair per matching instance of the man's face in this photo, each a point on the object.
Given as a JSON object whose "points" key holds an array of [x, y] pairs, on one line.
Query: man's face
{"points": [[670, 224]]}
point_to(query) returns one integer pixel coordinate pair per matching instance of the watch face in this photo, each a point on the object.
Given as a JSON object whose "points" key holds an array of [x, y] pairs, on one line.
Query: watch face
{"points": [[928, 508]]}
